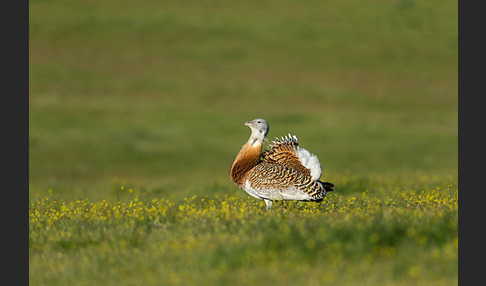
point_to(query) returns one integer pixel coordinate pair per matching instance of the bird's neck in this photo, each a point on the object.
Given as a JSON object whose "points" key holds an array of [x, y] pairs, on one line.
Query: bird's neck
{"points": [[256, 139], [247, 158]]}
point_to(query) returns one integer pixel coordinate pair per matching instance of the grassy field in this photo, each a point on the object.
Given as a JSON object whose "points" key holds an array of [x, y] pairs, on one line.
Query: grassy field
{"points": [[410, 238], [136, 113]]}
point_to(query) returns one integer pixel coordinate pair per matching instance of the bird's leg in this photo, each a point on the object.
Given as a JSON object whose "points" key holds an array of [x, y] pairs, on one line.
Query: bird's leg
{"points": [[269, 204]]}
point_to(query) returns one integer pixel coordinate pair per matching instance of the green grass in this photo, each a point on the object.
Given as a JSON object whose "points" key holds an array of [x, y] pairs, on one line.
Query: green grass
{"points": [[152, 96], [406, 237]]}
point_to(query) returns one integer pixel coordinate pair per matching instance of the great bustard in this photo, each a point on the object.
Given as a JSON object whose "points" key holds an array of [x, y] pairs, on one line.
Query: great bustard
{"points": [[284, 172]]}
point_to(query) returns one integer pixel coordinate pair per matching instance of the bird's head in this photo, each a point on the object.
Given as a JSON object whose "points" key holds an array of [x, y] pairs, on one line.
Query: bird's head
{"points": [[259, 128]]}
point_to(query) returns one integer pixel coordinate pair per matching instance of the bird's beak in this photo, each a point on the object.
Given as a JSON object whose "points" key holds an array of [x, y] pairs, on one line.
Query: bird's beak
{"points": [[248, 123]]}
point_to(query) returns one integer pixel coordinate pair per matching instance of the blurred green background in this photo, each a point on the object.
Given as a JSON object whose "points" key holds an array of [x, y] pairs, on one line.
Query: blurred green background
{"points": [[153, 94]]}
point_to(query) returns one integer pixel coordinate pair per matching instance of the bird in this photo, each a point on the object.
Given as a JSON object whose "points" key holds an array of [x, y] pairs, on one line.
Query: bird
{"points": [[285, 171]]}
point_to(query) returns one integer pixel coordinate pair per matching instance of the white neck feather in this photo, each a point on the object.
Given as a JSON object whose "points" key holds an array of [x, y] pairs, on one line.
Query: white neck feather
{"points": [[256, 138]]}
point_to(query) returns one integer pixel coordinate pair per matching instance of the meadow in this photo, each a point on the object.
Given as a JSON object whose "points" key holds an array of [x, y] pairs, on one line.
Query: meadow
{"points": [[136, 113]]}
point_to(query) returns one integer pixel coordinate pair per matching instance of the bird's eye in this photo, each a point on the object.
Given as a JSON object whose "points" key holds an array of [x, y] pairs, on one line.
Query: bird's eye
{"points": [[259, 121]]}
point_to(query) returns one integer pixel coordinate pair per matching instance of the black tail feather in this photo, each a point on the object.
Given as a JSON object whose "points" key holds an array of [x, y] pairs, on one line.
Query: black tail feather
{"points": [[327, 186]]}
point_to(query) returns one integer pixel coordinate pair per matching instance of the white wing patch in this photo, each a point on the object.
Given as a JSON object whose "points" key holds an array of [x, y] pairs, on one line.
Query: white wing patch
{"points": [[310, 161]]}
